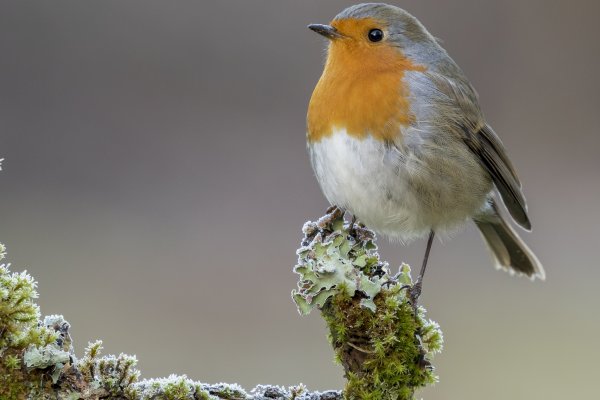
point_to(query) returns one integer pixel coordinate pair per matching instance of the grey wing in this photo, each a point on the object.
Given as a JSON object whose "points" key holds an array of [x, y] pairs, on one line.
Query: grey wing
{"points": [[461, 106], [488, 147]]}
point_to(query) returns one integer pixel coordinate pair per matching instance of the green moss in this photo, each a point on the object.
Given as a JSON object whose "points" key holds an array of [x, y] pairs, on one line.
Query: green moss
{"points": [[202, 394], [383, 344], [18, 312], [12, 362], [114, 375], [20, 329]]}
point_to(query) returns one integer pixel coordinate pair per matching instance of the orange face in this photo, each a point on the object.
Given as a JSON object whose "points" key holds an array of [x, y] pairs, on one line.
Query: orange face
{"points": [[361, 89]]}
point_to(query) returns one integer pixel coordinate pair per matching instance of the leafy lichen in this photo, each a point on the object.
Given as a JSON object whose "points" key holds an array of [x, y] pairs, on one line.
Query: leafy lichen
{"points": [[331, 261], [384, 344]]}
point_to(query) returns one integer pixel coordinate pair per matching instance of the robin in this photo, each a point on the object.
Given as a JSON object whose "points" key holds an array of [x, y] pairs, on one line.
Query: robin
{"points": [[396, 137]]}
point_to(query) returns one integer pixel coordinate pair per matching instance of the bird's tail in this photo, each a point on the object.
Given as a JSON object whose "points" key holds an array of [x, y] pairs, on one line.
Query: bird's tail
{"points": [[508, 250]]}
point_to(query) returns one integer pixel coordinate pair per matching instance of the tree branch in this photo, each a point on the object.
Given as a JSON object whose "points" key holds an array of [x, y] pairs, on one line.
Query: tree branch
{"points": [[384, 347]]}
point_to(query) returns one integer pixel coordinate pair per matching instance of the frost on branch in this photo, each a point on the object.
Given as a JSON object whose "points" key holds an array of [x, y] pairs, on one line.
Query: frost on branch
{"points": [[384, 347], [37, 361]]}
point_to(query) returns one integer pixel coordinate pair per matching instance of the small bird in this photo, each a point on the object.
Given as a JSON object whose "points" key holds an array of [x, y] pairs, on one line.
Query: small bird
{"points": [[397, 138]]}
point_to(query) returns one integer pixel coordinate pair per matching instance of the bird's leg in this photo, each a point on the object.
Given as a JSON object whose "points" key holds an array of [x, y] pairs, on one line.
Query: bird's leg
{"points": [[352, 231], [331, 209], [415, 290]]}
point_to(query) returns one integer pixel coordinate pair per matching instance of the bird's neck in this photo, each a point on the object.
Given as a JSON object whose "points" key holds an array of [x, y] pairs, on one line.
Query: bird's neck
{"points": [[361, 93]]}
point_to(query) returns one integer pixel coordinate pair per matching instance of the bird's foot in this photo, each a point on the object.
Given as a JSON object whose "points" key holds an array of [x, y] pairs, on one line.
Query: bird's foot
{"points": [[352, 230], [414, 292], [392, 280], [332, 209]]}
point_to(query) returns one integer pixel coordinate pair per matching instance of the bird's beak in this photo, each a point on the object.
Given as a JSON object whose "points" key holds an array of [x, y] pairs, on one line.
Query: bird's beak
{"points": [[326, 30]]}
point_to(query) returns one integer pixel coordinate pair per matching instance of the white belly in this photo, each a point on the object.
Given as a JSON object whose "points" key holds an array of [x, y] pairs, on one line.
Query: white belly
{"points": [[402, 194]]}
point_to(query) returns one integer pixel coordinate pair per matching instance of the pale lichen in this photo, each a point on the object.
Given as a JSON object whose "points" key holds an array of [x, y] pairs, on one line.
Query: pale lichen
{"points": [[331, 261], [49, 356]]}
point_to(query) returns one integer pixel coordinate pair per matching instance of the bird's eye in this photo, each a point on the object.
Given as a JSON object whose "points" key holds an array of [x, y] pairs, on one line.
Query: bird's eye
{"points": [[375, 35]]}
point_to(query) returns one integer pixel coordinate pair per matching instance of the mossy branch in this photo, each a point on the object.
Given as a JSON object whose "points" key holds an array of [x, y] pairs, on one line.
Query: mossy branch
{"points": [[383, 346]]}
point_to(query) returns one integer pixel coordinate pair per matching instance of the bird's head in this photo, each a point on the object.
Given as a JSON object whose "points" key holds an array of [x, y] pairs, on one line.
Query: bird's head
{"points": [[377, 33]]}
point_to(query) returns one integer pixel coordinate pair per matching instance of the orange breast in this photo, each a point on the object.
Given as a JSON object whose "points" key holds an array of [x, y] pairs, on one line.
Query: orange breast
{"points": [[362, 91]]}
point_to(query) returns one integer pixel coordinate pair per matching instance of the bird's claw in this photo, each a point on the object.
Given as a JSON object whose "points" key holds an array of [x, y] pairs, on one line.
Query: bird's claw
{"points": [[352, 230], [414, 292], [331, 209], [392, 281]]}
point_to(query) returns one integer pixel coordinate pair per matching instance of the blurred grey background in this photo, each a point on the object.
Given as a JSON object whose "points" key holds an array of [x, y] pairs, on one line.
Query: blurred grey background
{"points": [[156, 179]]}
